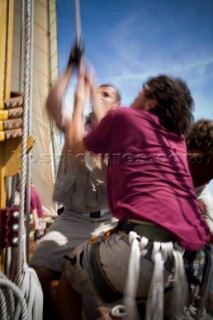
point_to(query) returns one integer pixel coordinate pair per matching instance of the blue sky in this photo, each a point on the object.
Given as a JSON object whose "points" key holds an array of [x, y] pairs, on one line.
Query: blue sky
{"points": [[128, 41]]}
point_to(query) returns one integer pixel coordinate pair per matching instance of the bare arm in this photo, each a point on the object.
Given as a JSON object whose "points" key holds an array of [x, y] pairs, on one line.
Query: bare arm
{"points": [[55, 97], [74, 131]]}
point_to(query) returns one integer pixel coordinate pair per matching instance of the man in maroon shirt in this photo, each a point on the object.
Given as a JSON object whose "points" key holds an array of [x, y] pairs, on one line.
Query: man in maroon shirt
{"points": [[150, 191]]}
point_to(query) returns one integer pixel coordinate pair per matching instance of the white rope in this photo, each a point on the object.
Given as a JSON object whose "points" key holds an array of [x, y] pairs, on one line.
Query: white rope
{"points": [[180, 289], [154, 306], [77, 22], [26, 106], [132, 277], [31, 288], [155, 302], [3, 308], [162, 252], [6, 299]]}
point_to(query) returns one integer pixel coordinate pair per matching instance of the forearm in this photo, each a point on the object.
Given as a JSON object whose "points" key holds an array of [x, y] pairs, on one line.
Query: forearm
{"points": [[74, 132], [55, 98]]}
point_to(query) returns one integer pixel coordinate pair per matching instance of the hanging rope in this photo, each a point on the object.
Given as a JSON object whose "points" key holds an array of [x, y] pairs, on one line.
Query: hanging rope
{"points": [[77, 22], [26, 277], [29, 131], [26, 105]]}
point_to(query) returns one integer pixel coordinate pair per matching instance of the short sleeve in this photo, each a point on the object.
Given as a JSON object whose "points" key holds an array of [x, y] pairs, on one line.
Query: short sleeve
{"points": [[66, 176]]}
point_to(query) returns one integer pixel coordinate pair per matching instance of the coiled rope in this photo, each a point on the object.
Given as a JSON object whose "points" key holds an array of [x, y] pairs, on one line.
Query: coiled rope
{"points": [[7, 303]]}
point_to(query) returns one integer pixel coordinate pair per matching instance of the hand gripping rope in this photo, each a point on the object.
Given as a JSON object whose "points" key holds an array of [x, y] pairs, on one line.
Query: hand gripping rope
{"points": [[78, 49]]}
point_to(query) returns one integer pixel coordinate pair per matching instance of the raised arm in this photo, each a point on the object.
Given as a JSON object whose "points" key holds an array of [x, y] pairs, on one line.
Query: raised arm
{"points": [[55, 98], [74, 131]]}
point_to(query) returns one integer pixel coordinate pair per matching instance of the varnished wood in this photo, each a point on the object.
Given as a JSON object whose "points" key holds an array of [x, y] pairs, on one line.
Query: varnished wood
{"points": [[10, 161]]}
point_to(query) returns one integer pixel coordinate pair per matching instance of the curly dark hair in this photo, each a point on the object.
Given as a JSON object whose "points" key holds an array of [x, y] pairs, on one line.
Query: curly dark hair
{"points": [[200, 137], [174, 102]]}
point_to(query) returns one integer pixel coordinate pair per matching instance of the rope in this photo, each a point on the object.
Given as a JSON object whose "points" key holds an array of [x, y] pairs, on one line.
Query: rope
{"points": [[7, 292], [154, 309], [26, 102], [29, 132], [133, 274], [155, 302], [77, 22]]}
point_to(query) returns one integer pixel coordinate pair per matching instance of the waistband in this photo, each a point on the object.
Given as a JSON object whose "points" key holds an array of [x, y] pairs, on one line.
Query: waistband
{"points": [[149, 230]]}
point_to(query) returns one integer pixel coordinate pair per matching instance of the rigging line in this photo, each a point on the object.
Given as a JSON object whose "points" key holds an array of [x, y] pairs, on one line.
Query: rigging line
{"points": [[26, 105], [29, 132], [53, 70], [77, 21]]}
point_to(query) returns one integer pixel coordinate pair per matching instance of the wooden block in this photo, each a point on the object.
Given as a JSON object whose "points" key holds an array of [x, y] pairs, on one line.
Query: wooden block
{"points": [[11, 113], [10, 124], [13, 102], [10, 134]]}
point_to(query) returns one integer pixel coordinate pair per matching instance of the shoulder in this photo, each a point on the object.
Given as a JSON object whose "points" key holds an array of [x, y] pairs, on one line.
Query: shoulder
{"points": [[127, 111], [135, 115], [122, 113]]}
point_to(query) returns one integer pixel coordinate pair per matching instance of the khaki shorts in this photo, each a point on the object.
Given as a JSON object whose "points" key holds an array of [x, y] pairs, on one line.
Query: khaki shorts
{"points": [[68, 231], [114, 254]]}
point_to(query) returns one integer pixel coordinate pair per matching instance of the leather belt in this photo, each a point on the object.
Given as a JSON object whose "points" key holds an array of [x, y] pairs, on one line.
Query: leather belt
{"points": [[95, 214]]}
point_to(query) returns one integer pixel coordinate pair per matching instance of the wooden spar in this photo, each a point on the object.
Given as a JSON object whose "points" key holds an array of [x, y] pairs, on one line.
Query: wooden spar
{"points": [[6, 31]]}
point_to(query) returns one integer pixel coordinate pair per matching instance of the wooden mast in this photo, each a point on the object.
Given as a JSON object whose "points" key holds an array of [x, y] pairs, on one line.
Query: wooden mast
{"points": [[6, 32]]}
